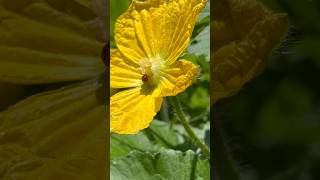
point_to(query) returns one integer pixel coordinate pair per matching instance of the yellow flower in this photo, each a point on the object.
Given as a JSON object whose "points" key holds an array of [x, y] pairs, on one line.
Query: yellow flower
{"points": [[243, 38], [150, 37], [60, 132]]}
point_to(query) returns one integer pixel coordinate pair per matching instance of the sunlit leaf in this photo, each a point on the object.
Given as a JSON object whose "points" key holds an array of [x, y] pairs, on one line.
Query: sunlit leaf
{"points": [[122, 145], [159, 135], [201, 44], [167, 164]]}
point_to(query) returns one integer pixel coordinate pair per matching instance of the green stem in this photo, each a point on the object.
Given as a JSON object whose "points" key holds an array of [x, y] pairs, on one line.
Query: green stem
{"points": [[184, 122], [164, 113]]}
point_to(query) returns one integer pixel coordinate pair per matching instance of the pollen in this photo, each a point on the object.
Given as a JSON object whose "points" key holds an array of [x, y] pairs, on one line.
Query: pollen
{"points": [[151, 69]]}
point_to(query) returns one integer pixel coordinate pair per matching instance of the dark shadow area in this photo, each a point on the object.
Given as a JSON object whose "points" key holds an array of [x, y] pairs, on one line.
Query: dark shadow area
{"points": [[271, 127]]}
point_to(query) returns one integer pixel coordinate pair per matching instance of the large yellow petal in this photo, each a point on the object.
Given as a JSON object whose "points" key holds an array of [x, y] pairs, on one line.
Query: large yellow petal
{"points": [[42, 43], [101, 8], [132, 110], [59, 134], [178, 77], [151, 28], [124, 73]]}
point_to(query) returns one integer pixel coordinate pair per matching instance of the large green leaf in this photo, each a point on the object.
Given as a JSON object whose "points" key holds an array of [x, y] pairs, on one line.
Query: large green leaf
{"points": [[121, 145], [157, 137], [165, 135], [164, 165]]}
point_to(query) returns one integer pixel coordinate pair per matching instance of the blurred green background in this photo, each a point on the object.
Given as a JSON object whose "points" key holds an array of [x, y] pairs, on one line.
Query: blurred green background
{"points": [[272, 126]]}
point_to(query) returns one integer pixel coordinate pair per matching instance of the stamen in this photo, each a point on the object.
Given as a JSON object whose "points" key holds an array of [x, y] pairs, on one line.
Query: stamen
{"points": [[151, 70]]}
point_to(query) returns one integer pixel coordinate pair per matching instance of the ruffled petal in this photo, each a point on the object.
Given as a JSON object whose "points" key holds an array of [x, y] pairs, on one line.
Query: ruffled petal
{"points": [[59, 134], [245, 34], [123, 72], [101, 8], [162, 28], [178, 77], [132, 110], [42, 43]]}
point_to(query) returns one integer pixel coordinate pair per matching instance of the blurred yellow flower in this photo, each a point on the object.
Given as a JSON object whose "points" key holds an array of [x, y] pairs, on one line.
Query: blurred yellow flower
{"points": [[150, 37], [59, 131], [244, 34]]}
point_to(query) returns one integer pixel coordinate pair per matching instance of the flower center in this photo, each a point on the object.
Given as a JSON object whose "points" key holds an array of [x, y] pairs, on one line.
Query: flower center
{"points": [[151, 69]]}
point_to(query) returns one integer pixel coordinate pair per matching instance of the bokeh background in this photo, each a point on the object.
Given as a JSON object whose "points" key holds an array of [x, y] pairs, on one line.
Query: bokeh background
{"points": [[271, 127]]}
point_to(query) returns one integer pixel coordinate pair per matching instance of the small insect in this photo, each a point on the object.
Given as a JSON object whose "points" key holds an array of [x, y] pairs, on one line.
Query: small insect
{"points": [[145, 78]]}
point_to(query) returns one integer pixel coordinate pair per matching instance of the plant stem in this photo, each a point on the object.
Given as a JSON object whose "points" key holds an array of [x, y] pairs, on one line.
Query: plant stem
{"points": [[185, 123], [164, 113]]}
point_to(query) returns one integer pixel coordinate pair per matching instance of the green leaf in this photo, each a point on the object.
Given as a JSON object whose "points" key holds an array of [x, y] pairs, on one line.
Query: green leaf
{"points": [[165, 135], [121, 145], [201, 44], [158, 136], [205, 12], [164, 165], [203, 170], [199, 98]]}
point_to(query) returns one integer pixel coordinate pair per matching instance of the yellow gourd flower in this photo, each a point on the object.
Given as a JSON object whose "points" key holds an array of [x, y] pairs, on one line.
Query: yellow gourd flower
{"points": [[59, 131], [150, 36], [243, 39]]}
